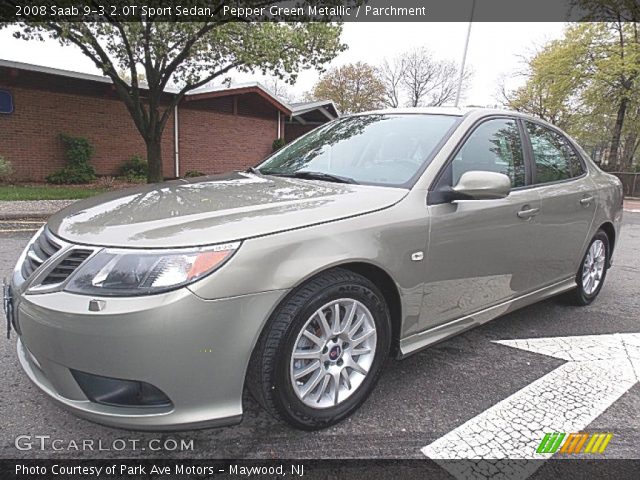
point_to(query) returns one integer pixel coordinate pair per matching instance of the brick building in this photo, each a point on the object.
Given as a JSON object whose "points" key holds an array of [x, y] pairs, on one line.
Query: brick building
{"points": [[217, 129]]}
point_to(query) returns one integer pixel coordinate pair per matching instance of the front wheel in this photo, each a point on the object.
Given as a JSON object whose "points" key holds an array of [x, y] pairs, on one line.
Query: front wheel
{"points": [[592, 271], [323, 351]]}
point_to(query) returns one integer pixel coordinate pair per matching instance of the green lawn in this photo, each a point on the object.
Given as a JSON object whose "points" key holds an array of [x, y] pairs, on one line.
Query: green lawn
{"points": [[47, 192]]}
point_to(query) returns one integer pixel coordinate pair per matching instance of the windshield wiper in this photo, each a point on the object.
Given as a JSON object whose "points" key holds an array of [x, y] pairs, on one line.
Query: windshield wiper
{"points": [[306, 174], [253, 170]]}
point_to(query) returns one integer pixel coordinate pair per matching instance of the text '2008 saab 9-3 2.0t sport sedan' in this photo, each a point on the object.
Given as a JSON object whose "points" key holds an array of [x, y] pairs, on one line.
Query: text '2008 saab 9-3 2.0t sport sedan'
{"points": [[372, 236]]}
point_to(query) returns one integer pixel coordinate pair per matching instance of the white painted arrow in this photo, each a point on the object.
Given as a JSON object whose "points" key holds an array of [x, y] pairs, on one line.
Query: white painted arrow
{"points": [[599, 370]]}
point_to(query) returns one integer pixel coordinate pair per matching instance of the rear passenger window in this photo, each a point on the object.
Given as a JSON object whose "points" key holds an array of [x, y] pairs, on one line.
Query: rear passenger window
{"points": [[494, 146], [555, 159]]}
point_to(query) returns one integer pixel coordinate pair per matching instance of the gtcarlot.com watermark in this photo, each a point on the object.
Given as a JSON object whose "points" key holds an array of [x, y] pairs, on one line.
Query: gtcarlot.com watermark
{"points": [[46, 442]]}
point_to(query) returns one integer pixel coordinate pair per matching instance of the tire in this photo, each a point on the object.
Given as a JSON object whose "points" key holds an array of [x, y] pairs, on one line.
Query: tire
{"points": [[270, 378], [586, 292]]}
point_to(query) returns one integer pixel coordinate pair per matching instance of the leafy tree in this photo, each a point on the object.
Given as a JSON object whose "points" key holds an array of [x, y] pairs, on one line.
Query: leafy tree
{"points": [[623, 10], [186, 54], [354, 87], [589, 83], [556, 75], [620, 70], [616, 76]]}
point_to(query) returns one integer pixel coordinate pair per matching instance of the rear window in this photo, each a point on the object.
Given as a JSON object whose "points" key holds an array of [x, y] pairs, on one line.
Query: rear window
{"points": [[555, 158]]}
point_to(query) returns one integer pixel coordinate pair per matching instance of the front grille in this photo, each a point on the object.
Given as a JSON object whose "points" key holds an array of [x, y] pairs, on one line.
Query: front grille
{"points": [[66, 267], [39, 252]]}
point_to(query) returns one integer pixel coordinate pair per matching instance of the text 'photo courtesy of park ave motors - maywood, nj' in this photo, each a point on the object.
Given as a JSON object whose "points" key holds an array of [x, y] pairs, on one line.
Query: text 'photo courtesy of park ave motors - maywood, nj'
{"points": [[158, 470], [320, 239]]}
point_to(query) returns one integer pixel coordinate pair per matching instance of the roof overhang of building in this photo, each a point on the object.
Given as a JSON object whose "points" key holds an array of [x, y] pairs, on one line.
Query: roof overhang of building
{"points": [[241, 90]]}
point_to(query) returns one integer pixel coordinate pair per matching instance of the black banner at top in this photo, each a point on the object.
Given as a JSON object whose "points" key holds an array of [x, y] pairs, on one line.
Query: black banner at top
{"points": [[320, 10]]}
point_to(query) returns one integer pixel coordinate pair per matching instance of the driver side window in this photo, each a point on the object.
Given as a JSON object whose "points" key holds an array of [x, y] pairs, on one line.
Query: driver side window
{"points": [[494, 146]]}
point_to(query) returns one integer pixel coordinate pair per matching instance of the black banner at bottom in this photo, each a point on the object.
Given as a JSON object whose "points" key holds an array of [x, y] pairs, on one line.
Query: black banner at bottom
{"points": [[163, 469]]}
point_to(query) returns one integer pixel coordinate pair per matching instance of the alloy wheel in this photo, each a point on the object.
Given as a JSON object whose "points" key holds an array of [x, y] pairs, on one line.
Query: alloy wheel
{"points": [[333, 353], [593, 267]]}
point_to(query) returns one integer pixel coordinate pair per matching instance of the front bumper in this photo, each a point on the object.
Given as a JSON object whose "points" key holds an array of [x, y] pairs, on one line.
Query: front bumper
{"points": [[196, 351]]}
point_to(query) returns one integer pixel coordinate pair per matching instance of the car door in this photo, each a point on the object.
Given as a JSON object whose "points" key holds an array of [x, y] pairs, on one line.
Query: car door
{"points": [[568, 203], [479, 251]]}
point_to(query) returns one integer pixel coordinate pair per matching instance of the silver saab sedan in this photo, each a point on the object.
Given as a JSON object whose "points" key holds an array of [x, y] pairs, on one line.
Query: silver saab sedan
{"points": [[372, 236]]}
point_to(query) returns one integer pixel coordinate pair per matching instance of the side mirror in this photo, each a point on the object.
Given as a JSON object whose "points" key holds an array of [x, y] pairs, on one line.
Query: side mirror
{"points": [[481, 185]]}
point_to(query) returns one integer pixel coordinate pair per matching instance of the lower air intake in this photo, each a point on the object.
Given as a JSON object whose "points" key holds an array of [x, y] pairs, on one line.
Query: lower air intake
{"points": [[120, 393]]}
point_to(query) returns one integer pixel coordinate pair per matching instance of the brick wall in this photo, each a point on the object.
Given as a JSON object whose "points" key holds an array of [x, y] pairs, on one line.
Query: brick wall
{"points": [[29, 136], [212, 139], [214, 142]]}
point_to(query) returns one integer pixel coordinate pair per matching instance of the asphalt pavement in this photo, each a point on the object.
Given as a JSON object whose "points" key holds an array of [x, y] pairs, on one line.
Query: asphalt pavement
{"points": [[417, 401]]}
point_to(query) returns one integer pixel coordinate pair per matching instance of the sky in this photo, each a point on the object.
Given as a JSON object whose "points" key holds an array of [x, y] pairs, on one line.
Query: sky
{"points": [[496, 51]]}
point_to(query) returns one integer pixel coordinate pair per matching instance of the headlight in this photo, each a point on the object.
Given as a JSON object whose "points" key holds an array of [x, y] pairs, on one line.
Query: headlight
{"points": [[123, 273]]}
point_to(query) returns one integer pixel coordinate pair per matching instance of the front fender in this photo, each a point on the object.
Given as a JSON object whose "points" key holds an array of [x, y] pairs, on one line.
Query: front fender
{"points": [[386, 239]]}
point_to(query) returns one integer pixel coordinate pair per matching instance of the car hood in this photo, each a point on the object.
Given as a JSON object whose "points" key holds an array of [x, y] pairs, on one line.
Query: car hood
{"points": [[213, 209]]}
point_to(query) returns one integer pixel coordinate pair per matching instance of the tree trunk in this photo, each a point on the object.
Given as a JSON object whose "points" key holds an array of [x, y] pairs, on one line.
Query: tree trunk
{"points": [[154, 158], [628, 151], [617, 132]]}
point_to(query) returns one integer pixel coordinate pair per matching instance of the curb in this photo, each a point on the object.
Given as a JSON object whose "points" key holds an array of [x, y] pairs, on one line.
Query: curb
{"points": [[11, 210], [7, 217]]}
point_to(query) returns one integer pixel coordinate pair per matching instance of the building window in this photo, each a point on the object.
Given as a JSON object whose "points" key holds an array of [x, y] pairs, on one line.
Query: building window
{"points": [[6, 102]]}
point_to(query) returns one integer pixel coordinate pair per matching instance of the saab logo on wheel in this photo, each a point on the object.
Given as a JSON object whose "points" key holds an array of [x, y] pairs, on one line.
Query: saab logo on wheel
{"points": [[574, 443]]}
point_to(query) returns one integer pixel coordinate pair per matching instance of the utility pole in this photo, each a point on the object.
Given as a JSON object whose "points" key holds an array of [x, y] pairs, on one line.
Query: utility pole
{"points": [[464, 54]]}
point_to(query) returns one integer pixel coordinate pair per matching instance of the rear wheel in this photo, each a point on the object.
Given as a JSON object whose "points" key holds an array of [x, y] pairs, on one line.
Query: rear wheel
{"points": [[323, 351], [592, 271]]}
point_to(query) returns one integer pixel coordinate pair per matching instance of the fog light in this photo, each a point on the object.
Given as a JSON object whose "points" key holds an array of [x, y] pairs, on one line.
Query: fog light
{"points": [[120, 393]]}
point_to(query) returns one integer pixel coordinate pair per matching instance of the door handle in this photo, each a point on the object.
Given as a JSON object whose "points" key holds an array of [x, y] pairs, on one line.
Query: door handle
{"points": [[528, 213], [586, 200]]}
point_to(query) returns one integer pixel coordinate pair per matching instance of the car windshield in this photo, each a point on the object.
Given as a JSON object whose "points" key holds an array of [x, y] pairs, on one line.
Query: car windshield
{"points": [[376, 149]]}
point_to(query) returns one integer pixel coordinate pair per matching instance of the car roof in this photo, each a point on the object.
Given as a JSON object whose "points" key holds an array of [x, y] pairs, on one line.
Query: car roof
{"points": [[453, 111], [458, 111], [476, 113]]}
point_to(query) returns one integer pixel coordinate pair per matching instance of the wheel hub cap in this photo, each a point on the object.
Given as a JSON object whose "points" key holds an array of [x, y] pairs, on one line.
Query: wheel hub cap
{"points": [[333, 353]]}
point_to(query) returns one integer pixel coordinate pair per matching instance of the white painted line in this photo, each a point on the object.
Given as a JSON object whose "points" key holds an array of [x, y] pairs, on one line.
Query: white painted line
{"points": [[14, 230], [599, 370], [631, 210]]}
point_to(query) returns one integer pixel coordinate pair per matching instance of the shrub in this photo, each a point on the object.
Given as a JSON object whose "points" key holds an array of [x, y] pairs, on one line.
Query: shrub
{"points": [[135, 169], [78, 152], [277, 144], [107, 181], [194, 173], [6, 169]]}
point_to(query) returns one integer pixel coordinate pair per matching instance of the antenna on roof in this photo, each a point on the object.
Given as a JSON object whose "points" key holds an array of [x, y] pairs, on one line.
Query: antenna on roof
{"points": [[464, 54]]}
